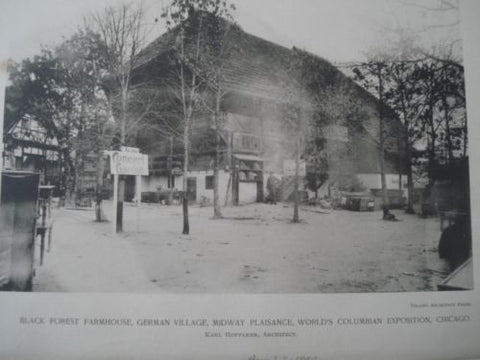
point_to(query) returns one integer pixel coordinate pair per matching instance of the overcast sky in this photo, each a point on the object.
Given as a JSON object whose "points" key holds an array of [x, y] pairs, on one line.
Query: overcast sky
{"points": [[340, 30]]}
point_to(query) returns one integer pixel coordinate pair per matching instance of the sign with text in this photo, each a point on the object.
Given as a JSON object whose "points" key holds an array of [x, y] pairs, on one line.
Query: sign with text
{"points": [[289, 168], [128, 163], [129, 149]]}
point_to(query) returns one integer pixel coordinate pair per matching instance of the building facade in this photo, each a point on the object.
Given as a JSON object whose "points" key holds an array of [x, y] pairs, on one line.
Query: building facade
{"points": [[28, 146], [256, 138]]}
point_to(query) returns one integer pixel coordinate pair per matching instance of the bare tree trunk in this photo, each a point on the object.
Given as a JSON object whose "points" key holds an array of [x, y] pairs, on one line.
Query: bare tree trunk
{"points": [[170, 173], [296, 202], [408, 155], [432, 144], [400, 167], [77, 183], [67, 173], [70, 183], [186, 225], [386, 211], [99, 215], [121, 180], [228, 193], [62, 183], [432, 137], [188, 109], [216, 200], [121, 197], [448, 133], [409, 209]]}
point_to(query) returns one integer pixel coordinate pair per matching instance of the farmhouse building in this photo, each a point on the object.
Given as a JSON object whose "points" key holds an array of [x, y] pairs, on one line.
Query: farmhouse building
{"points": [[341, 147]]}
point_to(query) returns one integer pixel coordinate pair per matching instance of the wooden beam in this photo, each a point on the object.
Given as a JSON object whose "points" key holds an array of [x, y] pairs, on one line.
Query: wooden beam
{"points": [[3, 85]]}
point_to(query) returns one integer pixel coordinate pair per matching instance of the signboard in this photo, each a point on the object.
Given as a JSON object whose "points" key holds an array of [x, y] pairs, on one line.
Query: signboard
{"points": [[128, 163], [129, 149], [289, 168], [246, 142]]}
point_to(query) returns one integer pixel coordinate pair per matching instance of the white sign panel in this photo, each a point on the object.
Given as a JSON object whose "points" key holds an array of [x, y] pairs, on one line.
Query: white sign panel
{"points": [[129, 149], [128, 163], [289, 168]]}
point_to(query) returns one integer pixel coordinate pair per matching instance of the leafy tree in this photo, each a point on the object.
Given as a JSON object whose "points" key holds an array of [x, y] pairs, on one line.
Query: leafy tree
{"points": [[428, 97], [443, 119], [73, 91], [426, 77], [424, 83], [81, 58], [452, 108], [372, 75], [403, 97], [39, 88]]}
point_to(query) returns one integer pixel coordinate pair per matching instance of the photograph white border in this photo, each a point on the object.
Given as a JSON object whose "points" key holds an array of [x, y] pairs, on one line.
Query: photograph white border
{"points": [[445, 340]]}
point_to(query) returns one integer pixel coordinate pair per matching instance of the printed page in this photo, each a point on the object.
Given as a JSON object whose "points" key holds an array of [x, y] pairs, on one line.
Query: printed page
{"points": [[241, 179]]}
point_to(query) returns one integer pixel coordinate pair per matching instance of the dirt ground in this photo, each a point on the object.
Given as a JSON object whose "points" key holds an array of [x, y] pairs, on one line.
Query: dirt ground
{"points": [[254, 249]]}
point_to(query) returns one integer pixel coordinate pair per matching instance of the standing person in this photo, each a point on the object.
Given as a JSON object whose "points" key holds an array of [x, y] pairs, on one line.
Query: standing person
{"points": [[271, 188]]}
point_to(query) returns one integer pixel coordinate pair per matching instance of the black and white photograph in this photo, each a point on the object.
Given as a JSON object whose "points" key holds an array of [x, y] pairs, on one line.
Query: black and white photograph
{"points": [[234, 147]]}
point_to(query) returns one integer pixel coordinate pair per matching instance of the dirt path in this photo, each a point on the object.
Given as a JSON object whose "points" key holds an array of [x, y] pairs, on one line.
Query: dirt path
{"points": [[255, 249], [86, 257]]}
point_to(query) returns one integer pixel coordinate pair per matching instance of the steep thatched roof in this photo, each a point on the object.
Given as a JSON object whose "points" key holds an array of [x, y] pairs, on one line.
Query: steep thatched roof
{"points": [[258, 68], [254, 66]]}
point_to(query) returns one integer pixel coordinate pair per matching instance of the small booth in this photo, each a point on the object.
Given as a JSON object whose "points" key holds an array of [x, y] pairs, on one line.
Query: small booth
{"points": [[18, 212]]}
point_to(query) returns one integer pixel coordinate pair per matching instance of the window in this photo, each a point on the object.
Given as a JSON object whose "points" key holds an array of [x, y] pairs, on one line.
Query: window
{"points": [[209, 182], [25, 124]]}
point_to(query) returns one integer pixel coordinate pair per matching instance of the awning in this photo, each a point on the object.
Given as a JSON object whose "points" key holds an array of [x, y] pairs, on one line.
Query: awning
{"points": [[248, 157]]}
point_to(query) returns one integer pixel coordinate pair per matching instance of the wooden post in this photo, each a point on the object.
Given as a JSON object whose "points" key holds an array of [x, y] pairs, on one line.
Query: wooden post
{"points": [[44, 229], [3, 84], [115, 200], [138, 189], [170, 165]]}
